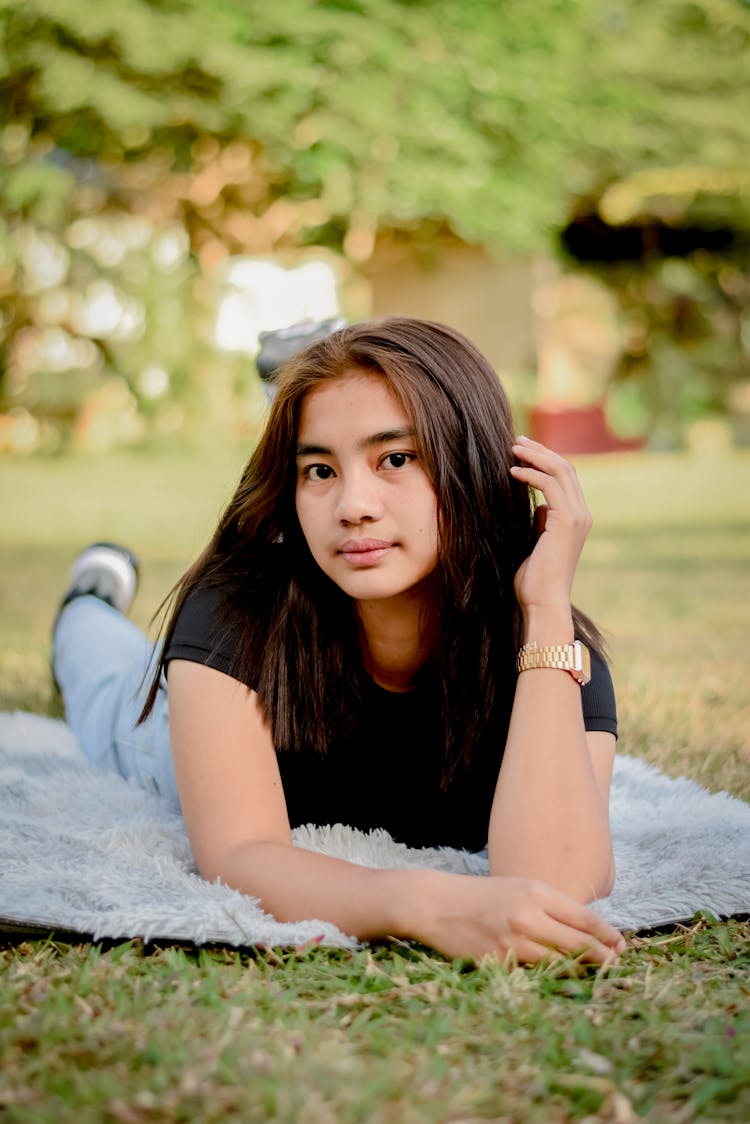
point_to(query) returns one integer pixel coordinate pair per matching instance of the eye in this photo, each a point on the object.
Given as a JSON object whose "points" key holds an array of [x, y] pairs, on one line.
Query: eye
{"points": [[318, 472], [397, 460]]}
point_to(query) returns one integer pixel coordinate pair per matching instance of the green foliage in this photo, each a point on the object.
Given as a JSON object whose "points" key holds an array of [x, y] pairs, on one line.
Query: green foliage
{"points": [[258, 128], [686, 355], [490, 117]]}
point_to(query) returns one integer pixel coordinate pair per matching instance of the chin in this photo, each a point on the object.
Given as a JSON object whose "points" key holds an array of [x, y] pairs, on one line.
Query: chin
{"points": [[378, 588], [371, 591]]}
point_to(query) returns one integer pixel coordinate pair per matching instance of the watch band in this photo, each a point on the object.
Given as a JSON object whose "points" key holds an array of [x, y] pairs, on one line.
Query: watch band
{"points": [[573, 658]]}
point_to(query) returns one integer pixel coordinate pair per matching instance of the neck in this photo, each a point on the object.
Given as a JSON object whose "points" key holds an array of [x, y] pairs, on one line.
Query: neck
{"points": [[398, 638]]}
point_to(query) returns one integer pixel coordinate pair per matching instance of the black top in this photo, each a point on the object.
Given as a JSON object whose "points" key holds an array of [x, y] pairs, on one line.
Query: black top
{"points": [[388, 774]]}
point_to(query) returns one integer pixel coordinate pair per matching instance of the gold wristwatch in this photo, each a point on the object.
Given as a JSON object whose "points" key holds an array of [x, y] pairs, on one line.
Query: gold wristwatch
{"points": [[573, 658]]}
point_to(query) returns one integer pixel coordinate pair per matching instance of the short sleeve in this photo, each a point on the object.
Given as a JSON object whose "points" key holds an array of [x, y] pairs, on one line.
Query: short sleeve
{"points": [[203, 632], [598, 699]]}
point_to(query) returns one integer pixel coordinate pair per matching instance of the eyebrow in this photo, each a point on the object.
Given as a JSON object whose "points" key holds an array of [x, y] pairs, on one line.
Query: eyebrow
{"points": [[382, 438]]}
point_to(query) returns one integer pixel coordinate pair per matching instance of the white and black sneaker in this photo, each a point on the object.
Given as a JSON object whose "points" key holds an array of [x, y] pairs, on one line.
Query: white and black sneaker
{"points": [[106, 571]]}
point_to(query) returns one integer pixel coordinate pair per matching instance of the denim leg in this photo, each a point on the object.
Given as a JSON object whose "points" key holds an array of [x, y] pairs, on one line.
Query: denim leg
{"points": [[99, 659]]}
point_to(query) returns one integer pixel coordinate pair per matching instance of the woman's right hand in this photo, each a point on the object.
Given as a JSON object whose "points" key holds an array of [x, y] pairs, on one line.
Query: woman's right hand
{"points": [[235, 812], [474, 916]]}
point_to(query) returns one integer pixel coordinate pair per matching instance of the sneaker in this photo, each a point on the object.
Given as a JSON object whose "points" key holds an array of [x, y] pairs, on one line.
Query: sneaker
{"points": [[106, 571]]}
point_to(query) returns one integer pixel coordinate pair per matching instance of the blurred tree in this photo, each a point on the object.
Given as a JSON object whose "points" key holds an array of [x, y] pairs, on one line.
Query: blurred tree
{"points": [[487, 115], [260, 126]]}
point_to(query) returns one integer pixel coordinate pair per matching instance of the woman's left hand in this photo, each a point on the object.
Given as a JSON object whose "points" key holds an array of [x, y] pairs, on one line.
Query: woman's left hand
{"points": [[545, 579]]}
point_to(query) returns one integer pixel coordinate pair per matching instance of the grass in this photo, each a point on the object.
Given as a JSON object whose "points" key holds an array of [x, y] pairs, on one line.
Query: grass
{"points": [[393, 1033]]}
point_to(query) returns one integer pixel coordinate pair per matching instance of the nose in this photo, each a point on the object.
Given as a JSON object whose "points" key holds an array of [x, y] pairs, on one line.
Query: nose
{"points": [[358, 498]]}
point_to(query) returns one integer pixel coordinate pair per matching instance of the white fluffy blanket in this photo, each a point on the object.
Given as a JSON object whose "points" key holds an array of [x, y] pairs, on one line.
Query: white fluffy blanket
{"points": [[83, 850]]}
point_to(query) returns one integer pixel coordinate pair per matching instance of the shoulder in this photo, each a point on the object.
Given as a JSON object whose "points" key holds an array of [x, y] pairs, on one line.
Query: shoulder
{"points": [[204, 608], [206, 612], [208, 629]]}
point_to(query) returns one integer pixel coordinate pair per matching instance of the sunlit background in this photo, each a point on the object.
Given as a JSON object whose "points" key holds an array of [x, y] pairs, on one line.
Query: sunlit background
{"points": [[568, 182]]}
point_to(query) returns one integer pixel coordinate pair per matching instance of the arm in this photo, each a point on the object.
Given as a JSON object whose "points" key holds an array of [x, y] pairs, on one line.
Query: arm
{"points": [[235, 814], [550, 815]]}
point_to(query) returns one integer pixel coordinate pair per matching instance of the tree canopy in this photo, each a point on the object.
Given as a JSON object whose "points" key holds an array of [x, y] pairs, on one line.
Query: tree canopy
{"points": [[489, 117], [141, 142]]}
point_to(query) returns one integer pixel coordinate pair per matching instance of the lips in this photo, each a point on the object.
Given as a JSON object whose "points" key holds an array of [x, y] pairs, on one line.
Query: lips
{"points": [[356, 546], [364, 552]]}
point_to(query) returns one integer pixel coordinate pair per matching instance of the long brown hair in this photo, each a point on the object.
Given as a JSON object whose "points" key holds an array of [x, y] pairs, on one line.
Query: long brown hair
{"points": [[300, 644]]}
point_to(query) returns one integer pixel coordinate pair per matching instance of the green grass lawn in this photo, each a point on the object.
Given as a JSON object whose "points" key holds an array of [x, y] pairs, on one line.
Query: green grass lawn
{"points": [[393, 1033]]}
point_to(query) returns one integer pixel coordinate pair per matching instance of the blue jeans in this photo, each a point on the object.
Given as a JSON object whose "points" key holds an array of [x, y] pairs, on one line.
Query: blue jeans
{"points": [[103, 664]]}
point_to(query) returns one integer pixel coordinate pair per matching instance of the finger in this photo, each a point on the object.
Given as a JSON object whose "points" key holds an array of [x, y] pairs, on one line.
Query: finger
{"points": [[533, 451], [560, 492], [573, 941], [545, 482], [555, 920], [576, 916], [526, 950], [550, 462]]}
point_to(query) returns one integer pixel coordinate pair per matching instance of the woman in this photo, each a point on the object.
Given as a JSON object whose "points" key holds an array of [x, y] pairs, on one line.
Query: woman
{"points": [[377, 634]]}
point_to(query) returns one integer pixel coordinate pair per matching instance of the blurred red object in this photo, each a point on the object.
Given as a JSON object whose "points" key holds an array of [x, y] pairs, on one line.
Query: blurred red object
{"points": [[578, 430]]}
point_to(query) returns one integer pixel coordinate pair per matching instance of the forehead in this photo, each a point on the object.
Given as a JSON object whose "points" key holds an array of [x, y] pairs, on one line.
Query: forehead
{"points": [[358, 401]]}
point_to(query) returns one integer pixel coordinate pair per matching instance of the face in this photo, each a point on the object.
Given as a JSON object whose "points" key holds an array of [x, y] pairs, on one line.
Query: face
{"points": [[364, 502]]}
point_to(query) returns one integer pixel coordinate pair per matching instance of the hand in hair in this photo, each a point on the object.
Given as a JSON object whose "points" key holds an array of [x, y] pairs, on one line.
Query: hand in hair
{"points": [[544, 581], [520, 918]]}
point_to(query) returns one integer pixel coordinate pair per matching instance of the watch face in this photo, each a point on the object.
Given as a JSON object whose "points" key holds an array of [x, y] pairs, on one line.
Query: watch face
{"points": [[582, 663]]}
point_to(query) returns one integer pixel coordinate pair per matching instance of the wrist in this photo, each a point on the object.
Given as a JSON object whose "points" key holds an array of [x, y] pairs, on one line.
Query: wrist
{"points": [[548, 625], [412, 896]]}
